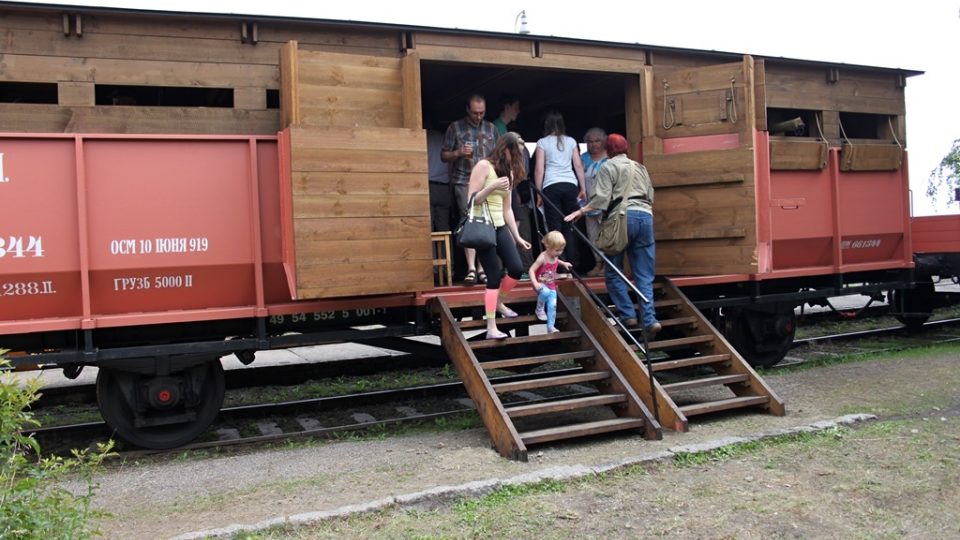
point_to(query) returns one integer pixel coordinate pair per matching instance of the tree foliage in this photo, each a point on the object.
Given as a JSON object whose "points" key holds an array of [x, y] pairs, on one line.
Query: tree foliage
{"points": [[945, 178], [35, 501]]}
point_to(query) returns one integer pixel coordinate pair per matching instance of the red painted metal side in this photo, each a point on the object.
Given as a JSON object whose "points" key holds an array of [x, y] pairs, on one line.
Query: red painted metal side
{"points": [[823, 222], [936, 234], [118, 230], [39, 259]]}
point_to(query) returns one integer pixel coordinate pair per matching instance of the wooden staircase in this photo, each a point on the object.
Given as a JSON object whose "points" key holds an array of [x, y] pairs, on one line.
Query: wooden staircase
{"points": [[593, 398], [696, 371]]}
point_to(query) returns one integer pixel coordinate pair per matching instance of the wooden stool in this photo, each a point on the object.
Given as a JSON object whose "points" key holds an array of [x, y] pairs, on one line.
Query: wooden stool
{"points": [[441, 256]]}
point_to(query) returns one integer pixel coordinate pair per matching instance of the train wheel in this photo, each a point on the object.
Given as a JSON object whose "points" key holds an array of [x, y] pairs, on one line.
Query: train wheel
{"points": [[912, 307], [762, 338], [161, 412]]}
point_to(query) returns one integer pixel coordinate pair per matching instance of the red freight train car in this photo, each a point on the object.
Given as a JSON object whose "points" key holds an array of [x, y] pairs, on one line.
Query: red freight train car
{"points": [[269, 178]]}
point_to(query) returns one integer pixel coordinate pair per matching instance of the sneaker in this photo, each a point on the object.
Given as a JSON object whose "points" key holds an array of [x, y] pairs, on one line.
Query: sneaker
{"points": [[552, 330], [631, 322], [541, 314]]}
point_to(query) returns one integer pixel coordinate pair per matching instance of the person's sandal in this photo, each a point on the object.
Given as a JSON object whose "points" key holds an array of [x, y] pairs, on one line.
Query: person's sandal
{"points": [[481, 277], [470, 278]]}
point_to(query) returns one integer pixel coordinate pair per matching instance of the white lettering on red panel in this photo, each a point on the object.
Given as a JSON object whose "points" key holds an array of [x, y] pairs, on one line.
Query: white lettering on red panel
{"points": [[19, 247], [134, 246], [26, 288], [3, 177], [860, 244], [143, 283]]}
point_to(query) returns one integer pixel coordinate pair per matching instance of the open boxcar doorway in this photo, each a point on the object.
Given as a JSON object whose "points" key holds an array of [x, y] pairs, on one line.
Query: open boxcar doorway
{"points": [[586, 99]]}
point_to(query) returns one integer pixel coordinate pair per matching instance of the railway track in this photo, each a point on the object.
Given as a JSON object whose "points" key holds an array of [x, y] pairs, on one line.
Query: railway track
{"points": [[331, 417]]}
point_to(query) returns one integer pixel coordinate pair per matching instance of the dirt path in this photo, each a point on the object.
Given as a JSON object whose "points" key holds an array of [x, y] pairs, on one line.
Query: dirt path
{"points": [[176, 497]]}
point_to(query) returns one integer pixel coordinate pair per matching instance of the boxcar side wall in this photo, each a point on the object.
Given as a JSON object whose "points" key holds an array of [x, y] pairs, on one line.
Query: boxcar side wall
{"points": [[356, 209]]}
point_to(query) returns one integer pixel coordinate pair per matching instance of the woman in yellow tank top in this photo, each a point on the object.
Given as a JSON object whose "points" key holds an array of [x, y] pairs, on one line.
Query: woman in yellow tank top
{"points": [[493, 180]]}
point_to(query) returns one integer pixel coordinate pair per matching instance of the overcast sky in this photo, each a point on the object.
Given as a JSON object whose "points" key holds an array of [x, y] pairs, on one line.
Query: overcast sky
{"points": [[922, 35]]}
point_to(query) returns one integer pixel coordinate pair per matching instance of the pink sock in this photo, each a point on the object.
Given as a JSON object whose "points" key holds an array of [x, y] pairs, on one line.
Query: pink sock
{"points": [[490, 303], [506, 285]]}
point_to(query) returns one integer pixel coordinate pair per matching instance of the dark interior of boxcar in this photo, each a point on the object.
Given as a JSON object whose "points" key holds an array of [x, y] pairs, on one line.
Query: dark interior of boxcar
{"points": [[585, 99]]}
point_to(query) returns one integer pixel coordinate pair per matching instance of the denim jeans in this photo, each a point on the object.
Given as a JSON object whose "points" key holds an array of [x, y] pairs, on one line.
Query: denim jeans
{"points": [[641, 250]]}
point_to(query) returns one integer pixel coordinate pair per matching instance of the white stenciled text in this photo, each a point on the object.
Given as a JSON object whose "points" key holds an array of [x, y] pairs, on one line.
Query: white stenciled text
{"points": [[26, 288], [19, 247], [142, 283], [144, 246], [3, 177]]}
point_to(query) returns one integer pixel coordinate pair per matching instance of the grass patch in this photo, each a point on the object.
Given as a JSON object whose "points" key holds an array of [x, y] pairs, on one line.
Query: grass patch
{"points": [[917, 353]]}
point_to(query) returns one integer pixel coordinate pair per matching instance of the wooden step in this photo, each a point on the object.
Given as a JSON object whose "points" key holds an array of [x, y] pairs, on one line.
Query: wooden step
{"points": [[669, 302], [536, 360], [679, 321], [540, 338], [519, 411], [679, 342], [550, 382], [501, 321], [723, 405], [692, 361], [580, 430], [506, 321], [707, 381]]}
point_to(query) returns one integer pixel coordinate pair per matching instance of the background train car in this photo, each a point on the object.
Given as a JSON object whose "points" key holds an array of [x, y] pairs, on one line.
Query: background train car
{"points": [[936, 247], [182, 186]]}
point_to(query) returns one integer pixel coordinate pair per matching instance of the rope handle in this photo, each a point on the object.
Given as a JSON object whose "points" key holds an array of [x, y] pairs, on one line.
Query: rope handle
{"points": [[670, 105]]}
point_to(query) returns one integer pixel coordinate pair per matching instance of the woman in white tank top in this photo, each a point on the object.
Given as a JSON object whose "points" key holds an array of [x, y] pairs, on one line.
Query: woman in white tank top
{"points": [[559, 174]]}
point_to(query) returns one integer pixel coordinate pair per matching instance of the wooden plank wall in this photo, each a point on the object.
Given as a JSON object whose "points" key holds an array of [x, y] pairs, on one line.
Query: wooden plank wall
{"points": [[855, 90], [361, 211], [133, 49], [705, 206], [361, 217], [347, 90], [513, 52]]}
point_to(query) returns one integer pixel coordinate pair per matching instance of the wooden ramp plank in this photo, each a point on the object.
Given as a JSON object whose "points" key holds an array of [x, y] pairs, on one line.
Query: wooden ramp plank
{"points": [[536, 360], [488, 343], [549, 382], [520, 411], [707, 381], [580, 430], [723, 405], [690, 362]]}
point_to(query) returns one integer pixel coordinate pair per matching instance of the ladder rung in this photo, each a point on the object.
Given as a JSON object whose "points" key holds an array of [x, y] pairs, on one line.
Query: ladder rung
{"points": [[564, 405], [707, 381], [505, 321], [536, 360], [669, 302], [680, 342], [580, 430], [722, 405], [679, 321], [692, 361], [488, 343], [548, 382]]}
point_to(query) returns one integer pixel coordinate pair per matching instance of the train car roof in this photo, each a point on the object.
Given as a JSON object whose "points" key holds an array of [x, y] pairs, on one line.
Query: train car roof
{"points": [[361, 25]]}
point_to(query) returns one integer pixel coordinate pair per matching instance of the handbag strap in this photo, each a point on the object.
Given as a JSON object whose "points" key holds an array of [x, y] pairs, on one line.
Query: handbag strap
{"points": [[484, 211]]}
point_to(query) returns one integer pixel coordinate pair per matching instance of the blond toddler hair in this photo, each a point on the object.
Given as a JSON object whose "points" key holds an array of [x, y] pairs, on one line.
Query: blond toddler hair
{"points": [[554, 240]]}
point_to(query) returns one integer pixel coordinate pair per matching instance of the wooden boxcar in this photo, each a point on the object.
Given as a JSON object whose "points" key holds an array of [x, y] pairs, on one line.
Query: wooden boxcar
{"points": [[193, 177]]}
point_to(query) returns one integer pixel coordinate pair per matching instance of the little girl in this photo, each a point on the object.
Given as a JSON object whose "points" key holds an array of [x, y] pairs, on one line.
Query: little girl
{"points": [[543, 275]]}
